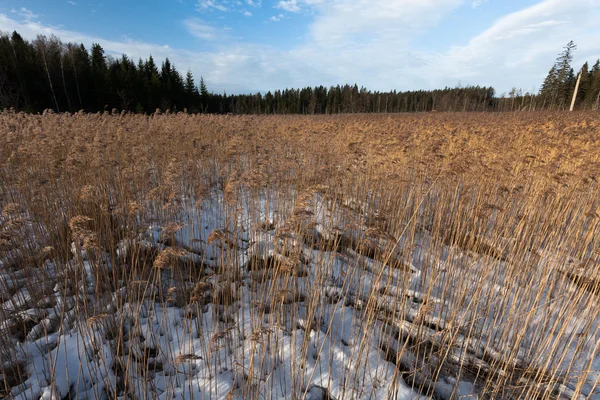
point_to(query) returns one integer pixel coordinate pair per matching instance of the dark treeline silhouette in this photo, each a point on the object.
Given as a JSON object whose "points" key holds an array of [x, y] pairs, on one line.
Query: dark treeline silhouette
{"points": [[352, 99], [48, 74]]}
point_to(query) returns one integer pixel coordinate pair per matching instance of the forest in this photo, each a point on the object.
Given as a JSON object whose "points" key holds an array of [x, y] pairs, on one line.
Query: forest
{"points": [[48, 74]]}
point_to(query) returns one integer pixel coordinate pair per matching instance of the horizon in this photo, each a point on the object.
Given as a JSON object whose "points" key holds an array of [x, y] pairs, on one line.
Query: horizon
{"points": [[254, 46]]}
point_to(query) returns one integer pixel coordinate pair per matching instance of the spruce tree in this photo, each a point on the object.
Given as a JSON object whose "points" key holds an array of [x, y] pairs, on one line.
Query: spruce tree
{"points": [[99, 73], [565, 75], [560, 80], [592, 96], [190, 87], [204, 97], [584, 85], [191, 93]]}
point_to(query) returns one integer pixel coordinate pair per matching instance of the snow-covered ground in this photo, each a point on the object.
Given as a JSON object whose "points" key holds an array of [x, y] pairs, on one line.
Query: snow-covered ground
{"points": [[302, 301]]}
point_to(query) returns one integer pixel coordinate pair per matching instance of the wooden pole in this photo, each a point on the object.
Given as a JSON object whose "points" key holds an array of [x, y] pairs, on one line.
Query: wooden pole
{"points": [[575, 92]]}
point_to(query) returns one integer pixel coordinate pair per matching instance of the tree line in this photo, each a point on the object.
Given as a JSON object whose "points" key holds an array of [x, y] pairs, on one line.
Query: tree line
{"points": [[46, 73], [558, 87]]}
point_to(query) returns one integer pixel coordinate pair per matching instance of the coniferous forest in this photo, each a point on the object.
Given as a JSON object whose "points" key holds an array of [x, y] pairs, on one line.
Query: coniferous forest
{"points": [[48, 74]]}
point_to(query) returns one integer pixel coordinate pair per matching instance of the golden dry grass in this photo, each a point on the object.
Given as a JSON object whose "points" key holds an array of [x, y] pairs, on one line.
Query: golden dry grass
{"points": [[508, 204]]}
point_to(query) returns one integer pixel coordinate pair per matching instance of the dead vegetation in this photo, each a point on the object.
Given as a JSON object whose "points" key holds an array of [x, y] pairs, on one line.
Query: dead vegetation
{"points": [[468, 242]]}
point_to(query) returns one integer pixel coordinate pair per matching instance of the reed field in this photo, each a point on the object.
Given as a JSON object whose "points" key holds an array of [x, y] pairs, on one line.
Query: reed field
{"points": [[395, 256]]}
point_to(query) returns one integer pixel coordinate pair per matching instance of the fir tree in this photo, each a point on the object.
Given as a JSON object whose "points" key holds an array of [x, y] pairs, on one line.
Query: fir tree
{"points": [[592, 96], [560, 80], [204, 97], [584, 85]]}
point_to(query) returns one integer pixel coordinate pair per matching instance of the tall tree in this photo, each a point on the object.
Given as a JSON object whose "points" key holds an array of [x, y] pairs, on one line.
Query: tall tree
{"points": [[560, 80], [584, 85], [99, 75], [45, 51], [204, 97], [11, 93], [592, 97], [191, 92]]}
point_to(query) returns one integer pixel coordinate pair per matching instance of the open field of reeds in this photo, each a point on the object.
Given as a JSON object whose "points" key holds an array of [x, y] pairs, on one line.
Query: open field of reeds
{"points": [[327, 257]]}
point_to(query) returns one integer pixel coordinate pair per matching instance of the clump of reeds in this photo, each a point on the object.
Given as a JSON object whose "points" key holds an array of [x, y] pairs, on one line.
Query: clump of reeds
{"points": [[497, 211]]}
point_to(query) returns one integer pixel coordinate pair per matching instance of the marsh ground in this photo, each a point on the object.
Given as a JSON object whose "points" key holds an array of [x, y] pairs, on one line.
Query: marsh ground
{"points": [[350, 256]]}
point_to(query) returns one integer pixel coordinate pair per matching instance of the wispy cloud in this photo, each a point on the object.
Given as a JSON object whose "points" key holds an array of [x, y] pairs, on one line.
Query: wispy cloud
{"points": [[212, 5], [529, 29], [288, 5], [200, 29], [381, 21], [345, 38], [247, 14], [28, 15], [518, 48], [277, 18], [478, 3], [226, 5]]}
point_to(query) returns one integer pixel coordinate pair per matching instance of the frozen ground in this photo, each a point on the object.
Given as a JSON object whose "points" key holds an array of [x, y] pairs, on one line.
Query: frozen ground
{"points": [[273, 304]]}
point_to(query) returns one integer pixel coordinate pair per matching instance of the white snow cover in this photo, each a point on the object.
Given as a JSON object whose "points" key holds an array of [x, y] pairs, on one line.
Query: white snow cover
{"points": [[224, 348]]}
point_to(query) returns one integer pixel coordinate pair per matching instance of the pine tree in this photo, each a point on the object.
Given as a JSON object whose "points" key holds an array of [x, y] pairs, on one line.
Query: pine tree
{"points": [[204, 96], [99, 73], [10, 93], [77, 58], [565, 75], [152, 84], [190, 87], [549, 88], [584, 85], [44, 50], [592, 97], [14, 47], [560, 80], [165, 85], [191, 92]]}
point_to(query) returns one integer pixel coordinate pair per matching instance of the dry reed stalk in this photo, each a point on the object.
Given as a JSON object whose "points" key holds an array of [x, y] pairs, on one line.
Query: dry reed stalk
{"points": [[483, 221]]}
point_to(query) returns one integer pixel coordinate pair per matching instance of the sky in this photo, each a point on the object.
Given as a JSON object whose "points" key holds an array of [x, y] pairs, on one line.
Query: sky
{"points": [[246, 46]]}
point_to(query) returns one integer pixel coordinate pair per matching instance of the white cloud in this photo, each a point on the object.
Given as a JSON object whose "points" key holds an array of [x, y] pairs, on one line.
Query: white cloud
{"points": [[235, 68], [529, 29], [371, 43], [478, 3], [288, 5], [247, 14], [277, 18], [71, 2], [519, 48], [225, 5], [27, 14], [199, 29], [396, 21], [212, 5]]}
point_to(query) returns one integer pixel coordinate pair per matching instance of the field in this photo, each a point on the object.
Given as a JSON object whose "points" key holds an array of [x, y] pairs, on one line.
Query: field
{"points": [[326, 257]]}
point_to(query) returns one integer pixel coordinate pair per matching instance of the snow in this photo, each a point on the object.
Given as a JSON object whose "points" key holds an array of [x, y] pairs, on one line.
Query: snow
{"points": [[232, 348]]}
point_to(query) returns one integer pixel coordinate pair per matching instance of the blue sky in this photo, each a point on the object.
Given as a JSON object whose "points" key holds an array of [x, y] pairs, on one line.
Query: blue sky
{"points": [[260, 45]]}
